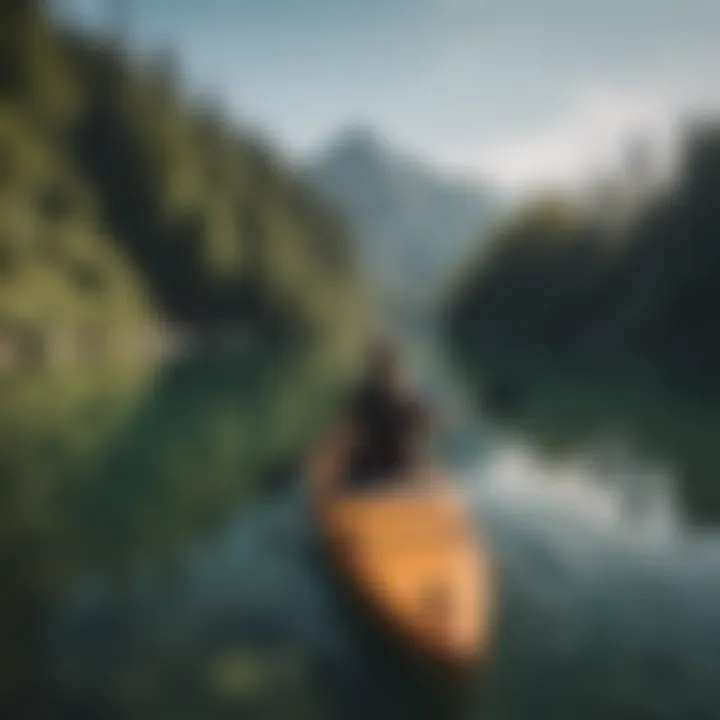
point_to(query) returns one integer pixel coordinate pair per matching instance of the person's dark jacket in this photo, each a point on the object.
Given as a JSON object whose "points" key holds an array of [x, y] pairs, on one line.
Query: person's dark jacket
{"points": [[387, 426]]}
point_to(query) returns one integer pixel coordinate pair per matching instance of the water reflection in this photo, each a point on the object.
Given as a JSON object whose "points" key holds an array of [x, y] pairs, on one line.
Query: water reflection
{"points": [[155, 573], [595, 622], [53, 431], [605, 487], [235, 623], [592, 623], [250, 622], [643, 426], [115, 470], [610, 598]]}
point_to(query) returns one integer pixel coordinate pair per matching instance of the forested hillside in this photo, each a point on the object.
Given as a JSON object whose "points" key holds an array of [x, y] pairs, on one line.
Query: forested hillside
{"points": [[570, 283], [121, 202]]}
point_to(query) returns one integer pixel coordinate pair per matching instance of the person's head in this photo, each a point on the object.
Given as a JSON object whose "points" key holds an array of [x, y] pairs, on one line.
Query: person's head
{"points": [[385, 366]]}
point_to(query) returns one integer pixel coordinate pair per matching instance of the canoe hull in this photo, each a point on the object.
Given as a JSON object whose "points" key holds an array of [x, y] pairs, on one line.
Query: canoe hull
{"points": [[414, 558]]}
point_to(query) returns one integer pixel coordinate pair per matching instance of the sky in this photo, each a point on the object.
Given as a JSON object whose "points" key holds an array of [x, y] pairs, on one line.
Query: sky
{"points": [[520, 93]]}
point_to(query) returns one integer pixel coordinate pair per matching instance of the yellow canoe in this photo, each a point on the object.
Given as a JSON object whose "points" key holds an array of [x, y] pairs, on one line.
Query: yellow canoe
{"points": [[412, 555]]}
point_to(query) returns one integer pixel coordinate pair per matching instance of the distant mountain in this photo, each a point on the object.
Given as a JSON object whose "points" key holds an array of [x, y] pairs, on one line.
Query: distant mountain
{"points": [[412, 225]]}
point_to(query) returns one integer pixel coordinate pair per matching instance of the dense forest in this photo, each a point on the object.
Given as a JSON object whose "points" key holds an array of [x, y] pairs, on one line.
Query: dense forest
{"points": [[123, 203], [595, 286]]}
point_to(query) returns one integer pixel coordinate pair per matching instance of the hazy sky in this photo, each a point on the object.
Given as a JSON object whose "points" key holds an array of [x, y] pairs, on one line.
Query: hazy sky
{"points": [[520, 91]]}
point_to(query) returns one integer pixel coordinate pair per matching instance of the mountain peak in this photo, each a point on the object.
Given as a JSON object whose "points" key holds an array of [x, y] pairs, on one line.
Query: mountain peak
{"points": [[358, 143], [412, 224]]}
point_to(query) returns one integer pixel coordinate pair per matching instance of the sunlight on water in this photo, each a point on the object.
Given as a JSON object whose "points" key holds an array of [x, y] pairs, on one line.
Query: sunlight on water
{"points": [[602, 611], [600, 488]]}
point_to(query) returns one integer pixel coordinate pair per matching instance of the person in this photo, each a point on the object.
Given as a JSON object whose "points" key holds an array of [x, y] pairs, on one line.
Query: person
{"points": [[388, 422]]}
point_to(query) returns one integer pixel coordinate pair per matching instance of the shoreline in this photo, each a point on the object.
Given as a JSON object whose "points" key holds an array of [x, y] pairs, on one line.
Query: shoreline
{"points": [[62, 348]]}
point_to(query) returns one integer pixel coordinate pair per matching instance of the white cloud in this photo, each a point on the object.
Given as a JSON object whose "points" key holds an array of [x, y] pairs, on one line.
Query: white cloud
{"points": [[588, 140]]}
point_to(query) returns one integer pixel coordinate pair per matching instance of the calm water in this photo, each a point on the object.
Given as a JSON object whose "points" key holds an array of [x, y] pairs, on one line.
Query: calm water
{"points": [[156, 562]]}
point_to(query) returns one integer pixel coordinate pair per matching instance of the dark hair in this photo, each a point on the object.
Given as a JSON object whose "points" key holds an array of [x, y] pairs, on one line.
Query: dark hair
{"points": [[382, 358]]}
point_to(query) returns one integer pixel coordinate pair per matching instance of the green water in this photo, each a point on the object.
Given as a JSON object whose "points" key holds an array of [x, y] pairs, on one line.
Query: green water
{"points": [[116, 472], [561, 411], [158, 557]]}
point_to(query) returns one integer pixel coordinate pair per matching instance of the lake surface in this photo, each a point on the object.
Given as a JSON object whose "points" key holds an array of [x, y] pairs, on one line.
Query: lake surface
{"points": [[158, 556]]}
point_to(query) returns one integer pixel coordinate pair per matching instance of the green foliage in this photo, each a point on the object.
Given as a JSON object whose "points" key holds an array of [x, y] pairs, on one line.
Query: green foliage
{"points": [[578, 285], [119, 201], [58, 266]]}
